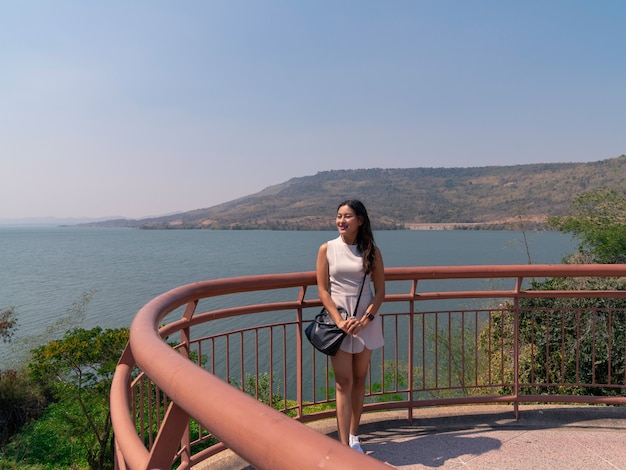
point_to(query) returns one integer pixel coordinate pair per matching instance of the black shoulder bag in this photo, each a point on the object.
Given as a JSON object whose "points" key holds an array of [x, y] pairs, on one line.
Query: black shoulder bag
{"points": [[324, 334]]}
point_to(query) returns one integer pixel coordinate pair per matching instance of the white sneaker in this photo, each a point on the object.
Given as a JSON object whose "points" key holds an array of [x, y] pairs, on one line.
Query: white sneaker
{"points": [[356, 446], [354, 443]]}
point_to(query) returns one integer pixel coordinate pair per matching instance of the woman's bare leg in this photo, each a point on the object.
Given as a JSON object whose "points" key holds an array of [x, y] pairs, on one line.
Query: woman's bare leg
{"points": [[342, 366], [360, 367]]}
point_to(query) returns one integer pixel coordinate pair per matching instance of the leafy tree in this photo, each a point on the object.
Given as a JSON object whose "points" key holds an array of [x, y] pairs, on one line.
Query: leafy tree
{"points": [[77, 370], [564, 341], [577, 340], [584, 333], [496, 349], [598, 219]]}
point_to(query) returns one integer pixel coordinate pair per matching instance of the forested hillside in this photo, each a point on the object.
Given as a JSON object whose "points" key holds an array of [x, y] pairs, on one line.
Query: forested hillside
{"points": [[483, 197]]}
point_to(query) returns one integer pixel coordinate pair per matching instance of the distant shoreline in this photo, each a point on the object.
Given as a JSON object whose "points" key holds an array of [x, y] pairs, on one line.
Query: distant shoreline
{"points": [[536, 223], [442, 226]]}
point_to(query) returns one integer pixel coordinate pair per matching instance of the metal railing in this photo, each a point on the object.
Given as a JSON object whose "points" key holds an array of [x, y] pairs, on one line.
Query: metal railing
{"points": [[194, 386]]}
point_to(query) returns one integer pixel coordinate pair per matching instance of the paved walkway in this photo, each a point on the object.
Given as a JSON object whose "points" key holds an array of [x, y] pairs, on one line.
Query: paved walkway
{"points": [[488, 437]]}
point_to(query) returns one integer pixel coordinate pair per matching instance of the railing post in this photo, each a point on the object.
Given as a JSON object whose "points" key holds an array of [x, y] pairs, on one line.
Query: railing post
{"points": [[185, 442], [299, 361], [185, 339], [175, 423], [411, 360], [518, 288], [299, 353]]}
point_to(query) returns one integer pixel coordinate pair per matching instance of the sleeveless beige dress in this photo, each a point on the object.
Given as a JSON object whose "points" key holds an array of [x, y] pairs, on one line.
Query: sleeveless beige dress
{"points": [[346, 274]]}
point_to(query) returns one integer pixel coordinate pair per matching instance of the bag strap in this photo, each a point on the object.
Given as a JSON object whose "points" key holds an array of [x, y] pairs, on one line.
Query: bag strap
{"points": [[356, 307]]}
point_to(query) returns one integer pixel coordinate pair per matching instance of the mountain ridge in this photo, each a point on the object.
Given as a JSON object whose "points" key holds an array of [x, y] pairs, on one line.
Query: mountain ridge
{"points": [[493, 197]]}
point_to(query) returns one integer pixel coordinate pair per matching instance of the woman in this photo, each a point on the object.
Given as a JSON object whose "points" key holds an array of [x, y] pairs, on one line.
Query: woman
{"points": [[342, 264]]}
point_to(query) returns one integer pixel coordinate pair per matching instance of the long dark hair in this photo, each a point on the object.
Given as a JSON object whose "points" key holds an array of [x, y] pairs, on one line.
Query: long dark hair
{"points": [[364, 238]]}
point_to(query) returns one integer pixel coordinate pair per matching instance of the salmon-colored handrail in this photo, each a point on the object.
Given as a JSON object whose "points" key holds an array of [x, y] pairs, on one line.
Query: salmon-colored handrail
{"points": [[505, 271]]}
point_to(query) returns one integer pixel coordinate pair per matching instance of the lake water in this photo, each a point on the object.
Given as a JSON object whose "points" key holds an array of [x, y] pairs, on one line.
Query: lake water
{"points": [[43, 271]]}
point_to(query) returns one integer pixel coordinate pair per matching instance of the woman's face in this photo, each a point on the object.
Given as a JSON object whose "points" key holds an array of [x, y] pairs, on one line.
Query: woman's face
{"points": [[348, 224]]}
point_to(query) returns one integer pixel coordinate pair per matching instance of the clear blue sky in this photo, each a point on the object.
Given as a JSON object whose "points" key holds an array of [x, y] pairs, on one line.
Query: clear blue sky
{"points": [[139, 108]]}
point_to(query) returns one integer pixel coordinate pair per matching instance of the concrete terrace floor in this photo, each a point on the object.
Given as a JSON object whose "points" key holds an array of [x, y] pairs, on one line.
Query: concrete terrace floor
{"points": [[546, 437]]}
